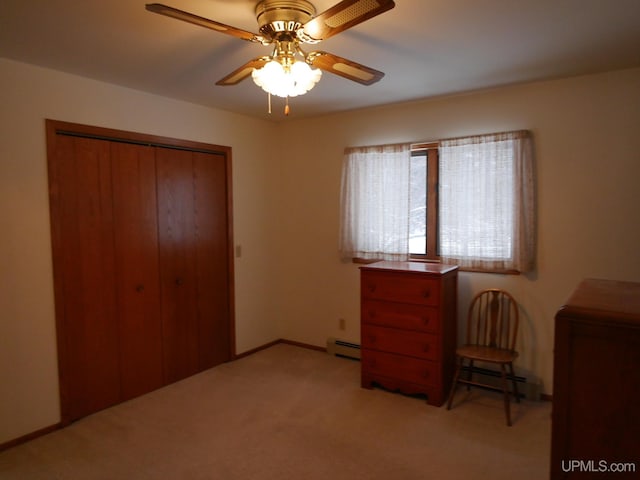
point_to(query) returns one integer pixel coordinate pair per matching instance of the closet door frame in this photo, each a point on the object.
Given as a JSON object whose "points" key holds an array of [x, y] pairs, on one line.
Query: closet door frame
{"points": [[53, 129]]}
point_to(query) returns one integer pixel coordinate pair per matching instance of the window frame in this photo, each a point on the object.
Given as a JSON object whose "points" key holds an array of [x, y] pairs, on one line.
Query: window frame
{"points": [[431, 149]]}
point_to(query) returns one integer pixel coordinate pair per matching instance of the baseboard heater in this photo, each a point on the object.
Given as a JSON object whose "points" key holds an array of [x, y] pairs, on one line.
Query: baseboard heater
{"points": [[528, 390], [340, 348]]}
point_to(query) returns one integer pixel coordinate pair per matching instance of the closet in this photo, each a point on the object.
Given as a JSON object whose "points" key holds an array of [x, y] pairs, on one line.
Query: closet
{"points": [[143, 276]]}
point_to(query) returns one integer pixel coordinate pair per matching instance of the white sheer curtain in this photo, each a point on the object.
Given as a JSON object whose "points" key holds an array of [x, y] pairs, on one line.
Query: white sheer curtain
{"points": [[375, 202], [486, 202]]}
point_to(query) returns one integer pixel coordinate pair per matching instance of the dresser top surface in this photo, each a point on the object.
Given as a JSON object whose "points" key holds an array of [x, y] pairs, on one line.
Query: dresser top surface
{"points": [[616, 299], [413, 267]]}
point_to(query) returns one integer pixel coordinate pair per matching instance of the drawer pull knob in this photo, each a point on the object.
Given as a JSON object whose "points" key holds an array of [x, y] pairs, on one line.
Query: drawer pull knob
{"points": [[426, 293], [425, 320]]}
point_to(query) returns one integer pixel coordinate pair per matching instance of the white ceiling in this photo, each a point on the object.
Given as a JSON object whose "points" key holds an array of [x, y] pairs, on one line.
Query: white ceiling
{"points": [[426, 48]]}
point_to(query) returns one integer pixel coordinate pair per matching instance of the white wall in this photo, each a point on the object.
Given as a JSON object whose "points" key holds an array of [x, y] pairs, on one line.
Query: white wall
{"points": [[588, 168], [28, 370]]}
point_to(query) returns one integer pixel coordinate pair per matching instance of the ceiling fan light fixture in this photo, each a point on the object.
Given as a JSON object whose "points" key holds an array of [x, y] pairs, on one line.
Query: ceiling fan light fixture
{"points": [[284, 80], [286, 24]]}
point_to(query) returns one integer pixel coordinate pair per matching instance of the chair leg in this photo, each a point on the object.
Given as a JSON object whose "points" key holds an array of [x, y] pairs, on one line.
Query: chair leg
{"points": [[470, 374], [515, 384], [454, 383], [505, 388]]}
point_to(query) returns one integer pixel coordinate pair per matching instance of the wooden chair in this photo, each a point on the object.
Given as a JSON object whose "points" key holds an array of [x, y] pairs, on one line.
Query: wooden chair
{"points": [[492, 328]]}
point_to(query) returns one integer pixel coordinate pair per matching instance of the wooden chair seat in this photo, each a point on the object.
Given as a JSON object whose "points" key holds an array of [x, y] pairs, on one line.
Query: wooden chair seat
{"points": [[486, 354]]}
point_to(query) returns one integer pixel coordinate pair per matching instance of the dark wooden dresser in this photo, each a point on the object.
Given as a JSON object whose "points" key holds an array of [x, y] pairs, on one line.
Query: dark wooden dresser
{"points": [[596, 383], [408, 327]]}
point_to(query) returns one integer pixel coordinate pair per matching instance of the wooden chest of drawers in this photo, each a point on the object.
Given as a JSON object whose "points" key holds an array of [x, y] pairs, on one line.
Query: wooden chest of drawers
{"points": [[408, 327], [596, 382]]}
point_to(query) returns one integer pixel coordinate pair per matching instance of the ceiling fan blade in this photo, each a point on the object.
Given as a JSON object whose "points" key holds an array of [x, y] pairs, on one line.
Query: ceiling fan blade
{"points": [[345, 68], [342, 16], [203, 22], [243, 72]]}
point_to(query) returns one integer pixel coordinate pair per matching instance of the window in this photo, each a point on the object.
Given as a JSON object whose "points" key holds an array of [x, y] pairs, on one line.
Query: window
{"points": [[423, 226], [418, 172], [467, 201]]}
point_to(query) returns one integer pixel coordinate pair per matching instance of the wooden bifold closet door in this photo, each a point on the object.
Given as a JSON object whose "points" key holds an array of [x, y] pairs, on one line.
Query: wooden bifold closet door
{"points": [[142, 262]]}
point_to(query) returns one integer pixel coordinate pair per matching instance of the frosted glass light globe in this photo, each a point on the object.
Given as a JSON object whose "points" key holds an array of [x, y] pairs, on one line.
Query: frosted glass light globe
{"points": [[273, 78]]}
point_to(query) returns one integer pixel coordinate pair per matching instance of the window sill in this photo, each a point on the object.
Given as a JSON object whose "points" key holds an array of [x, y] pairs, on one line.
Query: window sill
{"points": [[367, 261]]}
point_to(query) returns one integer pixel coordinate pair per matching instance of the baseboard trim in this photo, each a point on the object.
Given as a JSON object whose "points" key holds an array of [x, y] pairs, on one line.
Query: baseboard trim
{"points": [[30, 436], [303, 345], [276, 342], [255, 350]]}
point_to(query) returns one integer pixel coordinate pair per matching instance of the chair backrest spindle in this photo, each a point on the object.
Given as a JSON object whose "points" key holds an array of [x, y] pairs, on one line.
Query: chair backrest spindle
{"points": [[493, 319]]}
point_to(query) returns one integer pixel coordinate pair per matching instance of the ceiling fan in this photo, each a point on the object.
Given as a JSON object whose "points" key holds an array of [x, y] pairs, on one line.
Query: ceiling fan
{"points": [[285, 25]]}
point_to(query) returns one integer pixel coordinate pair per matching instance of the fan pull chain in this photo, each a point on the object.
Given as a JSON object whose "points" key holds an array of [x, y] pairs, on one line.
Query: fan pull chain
{"points": [[287, 110]]}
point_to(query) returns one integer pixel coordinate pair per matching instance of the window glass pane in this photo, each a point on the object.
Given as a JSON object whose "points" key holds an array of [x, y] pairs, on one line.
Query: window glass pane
{"points": [[418, 205], [476, 201]]}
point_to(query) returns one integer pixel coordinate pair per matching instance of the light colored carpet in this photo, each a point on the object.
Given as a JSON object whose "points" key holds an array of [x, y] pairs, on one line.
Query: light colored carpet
{"points": [[291, 413]]}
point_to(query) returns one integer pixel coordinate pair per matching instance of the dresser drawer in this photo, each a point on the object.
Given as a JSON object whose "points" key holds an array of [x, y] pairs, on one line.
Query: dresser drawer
{"points": [[404, 342], [408, 369], [403, 288], [400, 315]]}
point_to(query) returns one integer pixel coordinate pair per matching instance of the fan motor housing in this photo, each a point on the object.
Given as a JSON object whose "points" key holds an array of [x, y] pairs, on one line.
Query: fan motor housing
{"points": [[277, 17]]}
